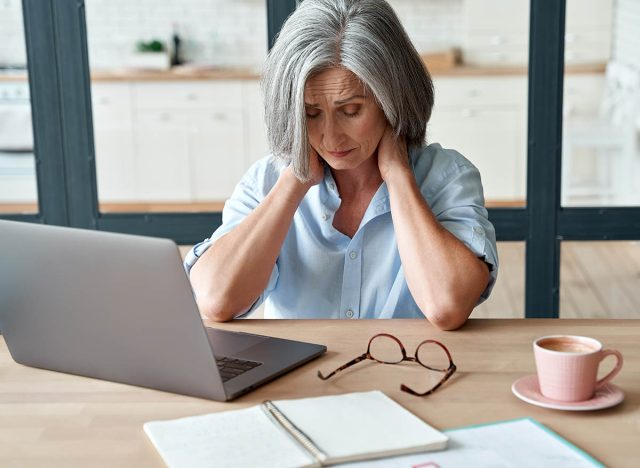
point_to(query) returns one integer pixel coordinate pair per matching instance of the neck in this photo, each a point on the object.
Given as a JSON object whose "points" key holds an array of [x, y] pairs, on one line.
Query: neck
{"points": [[361, 180]]}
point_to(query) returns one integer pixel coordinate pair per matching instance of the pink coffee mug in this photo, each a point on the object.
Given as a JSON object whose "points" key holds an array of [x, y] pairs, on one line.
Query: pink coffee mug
{"points": [[568, 366]]}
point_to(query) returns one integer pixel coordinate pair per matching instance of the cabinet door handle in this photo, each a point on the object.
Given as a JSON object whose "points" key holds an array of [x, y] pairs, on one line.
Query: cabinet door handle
{"points": [[192, 97], [219, 116], [467, 113], [165, 117]]}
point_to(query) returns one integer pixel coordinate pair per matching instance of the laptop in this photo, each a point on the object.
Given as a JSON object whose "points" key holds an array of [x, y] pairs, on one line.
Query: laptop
{"points": [[120, 307]]}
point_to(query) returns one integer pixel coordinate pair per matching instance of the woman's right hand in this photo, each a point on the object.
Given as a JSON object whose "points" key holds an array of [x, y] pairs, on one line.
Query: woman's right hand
{"points": [[316, 167], [316, 170]]}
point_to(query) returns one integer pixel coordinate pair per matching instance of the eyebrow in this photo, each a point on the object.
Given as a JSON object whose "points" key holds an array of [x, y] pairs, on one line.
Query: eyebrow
{"points": [[341, 102]]}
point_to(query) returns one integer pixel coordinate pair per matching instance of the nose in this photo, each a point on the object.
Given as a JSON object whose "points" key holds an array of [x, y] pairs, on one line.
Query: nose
{"points": [[333, 136]]}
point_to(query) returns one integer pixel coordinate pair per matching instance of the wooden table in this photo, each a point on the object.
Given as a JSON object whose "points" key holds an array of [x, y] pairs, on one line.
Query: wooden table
{"points": [[53, 419]]}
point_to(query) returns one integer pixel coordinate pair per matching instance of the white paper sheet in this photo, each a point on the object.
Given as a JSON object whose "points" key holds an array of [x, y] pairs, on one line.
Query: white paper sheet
{"points": [[245, 437], [520, 443]]}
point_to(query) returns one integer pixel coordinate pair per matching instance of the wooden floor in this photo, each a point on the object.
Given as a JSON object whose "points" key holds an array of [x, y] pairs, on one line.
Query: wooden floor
{"points": [[597, 280]]}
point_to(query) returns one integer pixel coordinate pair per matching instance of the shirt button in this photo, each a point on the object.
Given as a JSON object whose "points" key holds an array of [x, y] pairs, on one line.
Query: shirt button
{"points": [[353, 255], [332, 186], [478, 230], [324, 216], [349, 313]]}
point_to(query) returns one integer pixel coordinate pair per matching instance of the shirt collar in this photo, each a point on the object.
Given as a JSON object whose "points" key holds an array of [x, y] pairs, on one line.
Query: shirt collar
{"points": [[380, 202]]}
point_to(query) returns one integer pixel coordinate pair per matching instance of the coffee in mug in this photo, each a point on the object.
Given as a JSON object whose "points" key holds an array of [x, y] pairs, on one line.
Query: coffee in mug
{"points": [[568, 366], [566, 344]]}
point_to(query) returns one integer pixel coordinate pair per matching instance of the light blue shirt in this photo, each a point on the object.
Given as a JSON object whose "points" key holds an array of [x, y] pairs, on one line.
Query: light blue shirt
{"points": [[322, 273]]}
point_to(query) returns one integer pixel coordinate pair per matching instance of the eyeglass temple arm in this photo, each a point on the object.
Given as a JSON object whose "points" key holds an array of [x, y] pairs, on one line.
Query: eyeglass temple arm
{"points": [[449, 373], [360, 358]]}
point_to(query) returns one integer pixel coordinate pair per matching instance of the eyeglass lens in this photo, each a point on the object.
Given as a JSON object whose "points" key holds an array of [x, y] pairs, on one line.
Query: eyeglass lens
{"points": [[430, 355], [385, 349]]}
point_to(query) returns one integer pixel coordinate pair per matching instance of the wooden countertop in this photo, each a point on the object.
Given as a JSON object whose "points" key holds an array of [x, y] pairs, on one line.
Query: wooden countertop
{"points": [[187, 74], [188, 207]]}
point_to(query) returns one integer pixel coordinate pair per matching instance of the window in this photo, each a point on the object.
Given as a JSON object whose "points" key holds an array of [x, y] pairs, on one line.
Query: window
{"points": [[67, 157]]}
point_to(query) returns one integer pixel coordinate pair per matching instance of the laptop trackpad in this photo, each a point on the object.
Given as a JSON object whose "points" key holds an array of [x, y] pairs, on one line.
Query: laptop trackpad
{"points": [[226, 343]]}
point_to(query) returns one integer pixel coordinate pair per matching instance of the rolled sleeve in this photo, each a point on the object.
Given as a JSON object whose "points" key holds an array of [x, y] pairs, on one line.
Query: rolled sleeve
{"points": [[459, 206], [247, 195]]}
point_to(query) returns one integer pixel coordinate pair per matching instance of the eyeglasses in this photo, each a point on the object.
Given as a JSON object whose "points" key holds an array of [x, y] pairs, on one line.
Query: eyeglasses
{"points": [[387, 349]]}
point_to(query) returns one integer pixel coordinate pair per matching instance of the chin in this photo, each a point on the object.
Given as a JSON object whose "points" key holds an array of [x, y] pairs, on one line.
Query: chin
{"points": [[341, 165], [346, 163]]}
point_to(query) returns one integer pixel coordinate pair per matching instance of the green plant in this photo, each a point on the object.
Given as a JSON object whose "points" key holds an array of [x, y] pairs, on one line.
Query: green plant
{"points": [[153, 45]]}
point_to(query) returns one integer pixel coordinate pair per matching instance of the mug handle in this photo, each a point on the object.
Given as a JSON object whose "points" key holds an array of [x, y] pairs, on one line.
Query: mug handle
{"points": [[614, 372]]}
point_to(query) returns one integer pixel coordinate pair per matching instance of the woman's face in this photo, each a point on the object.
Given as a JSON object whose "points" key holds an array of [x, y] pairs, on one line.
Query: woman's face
{"points": [[344, 125]]}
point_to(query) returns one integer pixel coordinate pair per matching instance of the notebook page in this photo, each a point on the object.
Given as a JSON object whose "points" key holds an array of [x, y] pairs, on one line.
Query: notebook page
{"points": [[354, 426], [520, 443], [244, 437]]}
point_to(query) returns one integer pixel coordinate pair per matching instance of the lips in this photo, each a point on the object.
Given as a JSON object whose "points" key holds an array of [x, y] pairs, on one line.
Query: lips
{"points": [[340, 154]]}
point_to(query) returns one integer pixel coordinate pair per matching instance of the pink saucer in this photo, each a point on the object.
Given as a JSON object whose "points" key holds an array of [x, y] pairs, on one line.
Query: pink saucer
{"points": [[527, 389]]}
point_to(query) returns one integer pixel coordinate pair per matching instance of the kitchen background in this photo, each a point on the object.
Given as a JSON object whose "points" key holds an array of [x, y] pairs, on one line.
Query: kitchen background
{"points": [[177, 138]]}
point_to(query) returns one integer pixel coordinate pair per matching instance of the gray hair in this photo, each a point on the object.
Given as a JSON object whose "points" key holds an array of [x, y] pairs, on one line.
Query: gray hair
{"points": [[363, 36]]}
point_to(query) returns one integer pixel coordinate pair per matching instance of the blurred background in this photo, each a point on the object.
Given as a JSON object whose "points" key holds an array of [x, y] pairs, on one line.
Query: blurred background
{"points": [[177, 115]]}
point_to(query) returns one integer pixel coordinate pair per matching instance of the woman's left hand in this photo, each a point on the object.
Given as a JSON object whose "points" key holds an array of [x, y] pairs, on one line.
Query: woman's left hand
{"points": [[392, 154]]}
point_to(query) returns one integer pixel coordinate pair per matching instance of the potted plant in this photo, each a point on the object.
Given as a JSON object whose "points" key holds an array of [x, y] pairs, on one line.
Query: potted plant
{"points": [[152, 55]]}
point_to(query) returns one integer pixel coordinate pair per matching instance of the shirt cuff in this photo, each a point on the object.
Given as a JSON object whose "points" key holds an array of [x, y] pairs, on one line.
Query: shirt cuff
{"points": [[195, 253]]}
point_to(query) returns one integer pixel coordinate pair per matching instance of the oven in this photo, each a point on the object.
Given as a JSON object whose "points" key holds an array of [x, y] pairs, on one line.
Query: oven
{"points": [[17, 162]]}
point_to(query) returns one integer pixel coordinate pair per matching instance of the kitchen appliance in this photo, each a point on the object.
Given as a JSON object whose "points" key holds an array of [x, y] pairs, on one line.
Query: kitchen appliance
{"points": [[17, 161]]}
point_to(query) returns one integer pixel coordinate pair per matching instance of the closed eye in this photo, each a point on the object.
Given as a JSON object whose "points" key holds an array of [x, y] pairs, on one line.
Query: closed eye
{"points": [[351, 110], [312, 113]]}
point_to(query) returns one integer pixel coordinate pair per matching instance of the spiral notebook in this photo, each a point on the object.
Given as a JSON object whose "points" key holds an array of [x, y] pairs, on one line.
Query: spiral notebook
{"points": [[304, 432]]}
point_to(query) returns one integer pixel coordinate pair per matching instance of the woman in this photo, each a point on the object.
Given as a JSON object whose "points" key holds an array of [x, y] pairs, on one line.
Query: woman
{"points": [[352, 216]]}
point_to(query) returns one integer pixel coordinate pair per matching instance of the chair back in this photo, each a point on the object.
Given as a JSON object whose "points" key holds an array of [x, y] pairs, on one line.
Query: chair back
{"points": [[621, 99]]}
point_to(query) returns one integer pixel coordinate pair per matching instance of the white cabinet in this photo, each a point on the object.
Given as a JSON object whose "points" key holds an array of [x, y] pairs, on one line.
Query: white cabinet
{"points": [[188, 95], [255, 129], [189, 139], [582, 96], [589, 26], [113, 136], [485, 119], [492, 139], [170, 141], [162, 156], [18, 178], [496, 32], [218, 153]]}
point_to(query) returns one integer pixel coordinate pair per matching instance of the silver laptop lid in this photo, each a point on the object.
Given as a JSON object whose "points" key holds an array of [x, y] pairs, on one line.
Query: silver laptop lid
{"points": [[111, 306]]}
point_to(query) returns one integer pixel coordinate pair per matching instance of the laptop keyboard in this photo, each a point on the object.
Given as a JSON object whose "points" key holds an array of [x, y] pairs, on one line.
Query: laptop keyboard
{"points": [[230, 368]]}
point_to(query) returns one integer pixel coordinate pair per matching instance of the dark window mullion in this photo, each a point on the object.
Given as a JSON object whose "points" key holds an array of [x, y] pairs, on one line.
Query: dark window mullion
{"points": [[58, 66], [183, 228], [546, 73], [75, 92], [277, 13], [599, 223], [511, 224], [39, 27]]}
